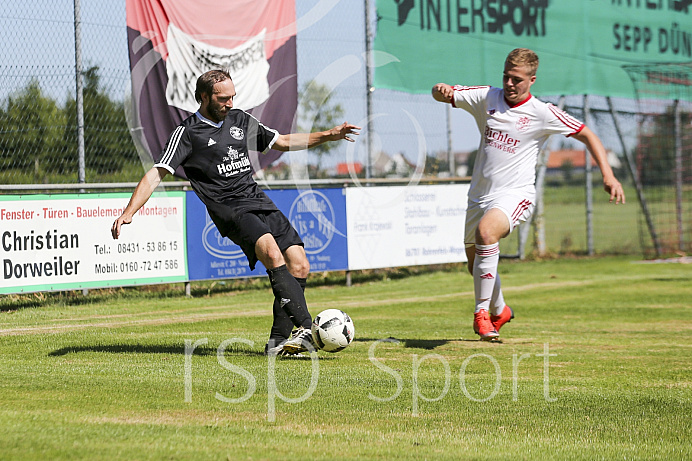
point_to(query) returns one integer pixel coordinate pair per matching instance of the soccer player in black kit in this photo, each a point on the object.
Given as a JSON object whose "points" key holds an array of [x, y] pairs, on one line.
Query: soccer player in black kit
{"points": [[212, 147]]}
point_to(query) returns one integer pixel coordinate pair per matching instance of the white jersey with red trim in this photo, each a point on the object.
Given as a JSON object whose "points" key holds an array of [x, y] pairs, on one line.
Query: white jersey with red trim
{"points": [[511, 137]]}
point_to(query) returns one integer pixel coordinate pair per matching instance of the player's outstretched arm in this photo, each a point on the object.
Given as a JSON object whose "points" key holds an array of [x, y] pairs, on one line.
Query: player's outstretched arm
{"points": [[300, 141], [610, 184], [443, 93], [143, 191]]}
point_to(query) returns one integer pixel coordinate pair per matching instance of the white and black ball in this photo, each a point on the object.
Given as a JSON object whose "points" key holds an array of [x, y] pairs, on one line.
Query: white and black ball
{"points": [[332, 330]]}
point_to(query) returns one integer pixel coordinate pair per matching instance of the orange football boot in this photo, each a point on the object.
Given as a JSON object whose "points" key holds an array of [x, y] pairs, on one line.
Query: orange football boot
{"points": [[484, 327], [505, 317]]}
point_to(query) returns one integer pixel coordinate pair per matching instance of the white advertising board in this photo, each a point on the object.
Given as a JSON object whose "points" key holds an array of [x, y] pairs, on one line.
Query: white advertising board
{"points": [[63, 242], [406, 225]]}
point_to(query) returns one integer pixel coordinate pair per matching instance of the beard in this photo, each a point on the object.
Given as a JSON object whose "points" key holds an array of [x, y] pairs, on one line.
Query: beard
{"points": [[217, 112]]}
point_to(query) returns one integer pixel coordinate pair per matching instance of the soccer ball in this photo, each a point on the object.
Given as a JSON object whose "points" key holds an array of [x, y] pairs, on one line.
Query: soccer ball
{"points": [[332, 330]]}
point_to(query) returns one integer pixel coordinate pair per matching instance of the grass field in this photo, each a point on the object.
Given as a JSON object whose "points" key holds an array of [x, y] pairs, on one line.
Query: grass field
{"points": [[596, 365]]}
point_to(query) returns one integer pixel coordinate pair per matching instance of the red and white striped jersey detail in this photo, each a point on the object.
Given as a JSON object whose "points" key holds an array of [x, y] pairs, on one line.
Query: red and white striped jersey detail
{"points": [[466, 88], [567, 119], [519, 210], [485, 252]]}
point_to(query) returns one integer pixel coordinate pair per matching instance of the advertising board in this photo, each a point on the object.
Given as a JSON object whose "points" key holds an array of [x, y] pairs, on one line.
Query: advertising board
{"points": [[63, 242], [319, 216], [405, 225]]}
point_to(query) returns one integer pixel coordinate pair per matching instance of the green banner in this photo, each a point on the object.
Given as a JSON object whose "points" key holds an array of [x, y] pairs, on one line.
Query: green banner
{"points": [[584, 46]]}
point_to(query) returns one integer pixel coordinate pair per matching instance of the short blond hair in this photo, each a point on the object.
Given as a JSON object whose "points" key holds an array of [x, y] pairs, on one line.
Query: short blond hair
{"points": [[523, 57]]}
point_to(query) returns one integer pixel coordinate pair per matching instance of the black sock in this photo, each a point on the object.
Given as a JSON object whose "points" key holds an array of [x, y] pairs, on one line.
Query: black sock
{"points": [[289, 296], [302, 282], [282, 324]]}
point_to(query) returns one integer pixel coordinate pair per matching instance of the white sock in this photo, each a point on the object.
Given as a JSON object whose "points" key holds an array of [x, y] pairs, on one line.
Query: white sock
{"points": [[485, 273], [497, 301]]}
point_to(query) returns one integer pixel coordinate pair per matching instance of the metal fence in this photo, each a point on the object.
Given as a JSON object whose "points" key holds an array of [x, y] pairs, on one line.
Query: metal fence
{"points": [[39, 123]]}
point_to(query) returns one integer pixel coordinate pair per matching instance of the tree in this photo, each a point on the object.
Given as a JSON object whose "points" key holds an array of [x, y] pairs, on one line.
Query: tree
{"points": [[31, 128], [38, 139], [434, 164], [319, 114], [567, 169], [656, 147], [107, 142]]}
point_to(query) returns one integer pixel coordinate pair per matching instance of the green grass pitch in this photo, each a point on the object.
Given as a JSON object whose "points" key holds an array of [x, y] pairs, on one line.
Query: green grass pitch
{"points": [[596, 365]]}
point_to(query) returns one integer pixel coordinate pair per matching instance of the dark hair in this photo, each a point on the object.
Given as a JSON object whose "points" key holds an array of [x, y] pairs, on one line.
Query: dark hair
{"points": [[523, 57], [206, 82]]}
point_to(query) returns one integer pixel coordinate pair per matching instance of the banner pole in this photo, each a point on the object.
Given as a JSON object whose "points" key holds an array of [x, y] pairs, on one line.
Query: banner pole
{"points": [[631, 166], [450, 154], [588, 176], [79, 96], [678, 175], [368, 92]]}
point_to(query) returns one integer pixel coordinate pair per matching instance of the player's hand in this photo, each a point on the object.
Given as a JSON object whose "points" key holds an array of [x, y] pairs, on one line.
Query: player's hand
{"points": [[443, 92], [614, 188], [343, 131], [115, 229]]}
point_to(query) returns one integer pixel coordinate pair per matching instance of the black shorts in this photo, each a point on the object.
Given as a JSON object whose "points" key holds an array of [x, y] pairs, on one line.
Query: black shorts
{"points": [[249, 226]]}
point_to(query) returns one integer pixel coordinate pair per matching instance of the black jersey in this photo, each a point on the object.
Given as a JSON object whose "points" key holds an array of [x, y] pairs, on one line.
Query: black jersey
{"points": [[215, 159]]}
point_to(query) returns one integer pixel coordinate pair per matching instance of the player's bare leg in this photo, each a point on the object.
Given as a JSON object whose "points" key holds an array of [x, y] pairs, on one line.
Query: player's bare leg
{"points": [[297, 261]]}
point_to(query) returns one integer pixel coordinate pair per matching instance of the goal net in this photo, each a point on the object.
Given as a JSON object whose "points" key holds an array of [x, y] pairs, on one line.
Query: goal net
{"points": [[664, 154]]}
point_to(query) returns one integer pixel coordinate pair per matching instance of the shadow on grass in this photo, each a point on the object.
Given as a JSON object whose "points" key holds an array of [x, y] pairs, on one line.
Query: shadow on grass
{"points": [[141, 349], [428, 344], [200, 350]]}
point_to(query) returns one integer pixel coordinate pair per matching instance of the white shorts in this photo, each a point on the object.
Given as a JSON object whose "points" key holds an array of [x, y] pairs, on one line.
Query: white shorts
{"points": [[517, 205]]}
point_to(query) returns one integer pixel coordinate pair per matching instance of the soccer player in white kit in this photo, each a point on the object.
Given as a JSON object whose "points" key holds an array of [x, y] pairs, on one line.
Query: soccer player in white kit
{"points": [[514, 125]]}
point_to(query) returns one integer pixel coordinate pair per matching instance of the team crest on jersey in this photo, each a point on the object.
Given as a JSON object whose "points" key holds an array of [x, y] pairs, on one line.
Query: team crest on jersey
{"points": [[232, 154], [523, 124], [237, 133]]}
